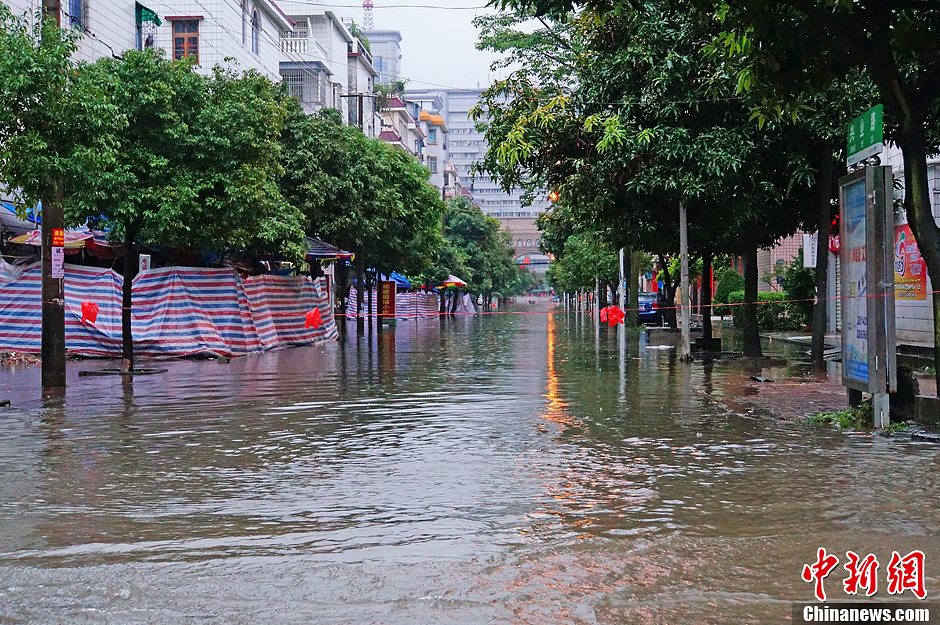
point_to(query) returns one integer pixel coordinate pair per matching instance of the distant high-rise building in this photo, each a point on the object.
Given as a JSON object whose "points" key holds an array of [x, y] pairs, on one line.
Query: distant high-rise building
{"points": [[465, 146], [386, 54]]}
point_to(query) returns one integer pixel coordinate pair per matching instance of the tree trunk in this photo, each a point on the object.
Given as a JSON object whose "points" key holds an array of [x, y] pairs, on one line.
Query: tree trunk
{"points": [[53, 295], [751, 331], [685, 349], [360, 286], [821, 306], [706, 301], [913, 146], [633, 288], [370, 280], [601, 293], [130, 271], [670, 313]]}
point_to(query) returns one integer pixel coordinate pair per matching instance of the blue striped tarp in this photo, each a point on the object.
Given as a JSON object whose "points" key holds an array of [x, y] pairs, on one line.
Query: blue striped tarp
{"points": [[417, 305], [178, 311]]}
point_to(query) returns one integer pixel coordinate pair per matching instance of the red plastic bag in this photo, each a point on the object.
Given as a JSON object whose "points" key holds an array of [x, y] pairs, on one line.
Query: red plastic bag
{"points": [[313, 319], [89, 312], [614, 316]]}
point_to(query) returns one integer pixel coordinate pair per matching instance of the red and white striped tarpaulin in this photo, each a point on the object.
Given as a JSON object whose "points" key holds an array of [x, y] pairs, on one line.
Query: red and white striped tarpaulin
{"points": [[407, 305], [178, 311]]}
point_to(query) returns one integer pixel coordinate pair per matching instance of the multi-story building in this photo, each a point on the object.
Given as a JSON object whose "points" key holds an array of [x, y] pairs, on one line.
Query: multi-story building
{"points": [[400, 126], [386, 54], [314, 58], [240, 34], [466, 145], [435, 145], [361, 95]]}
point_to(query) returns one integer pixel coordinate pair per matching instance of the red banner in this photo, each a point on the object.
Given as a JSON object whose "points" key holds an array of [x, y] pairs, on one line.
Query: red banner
{"points": [[910, 271], [387, 299]]}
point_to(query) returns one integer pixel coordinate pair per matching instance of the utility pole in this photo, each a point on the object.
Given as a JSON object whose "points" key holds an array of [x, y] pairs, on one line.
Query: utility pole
{"points": [[685, 354], [362, 126], [359, 97], [623, 283], [53, 275]]}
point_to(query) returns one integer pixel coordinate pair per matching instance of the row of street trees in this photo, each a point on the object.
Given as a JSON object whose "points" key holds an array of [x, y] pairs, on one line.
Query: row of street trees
{"points": [[480, 252], [732, 110], [156, 153]]}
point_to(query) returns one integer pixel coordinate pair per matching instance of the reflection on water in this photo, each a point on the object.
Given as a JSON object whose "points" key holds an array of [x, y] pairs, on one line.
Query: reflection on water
{"points": [[520, 468]]}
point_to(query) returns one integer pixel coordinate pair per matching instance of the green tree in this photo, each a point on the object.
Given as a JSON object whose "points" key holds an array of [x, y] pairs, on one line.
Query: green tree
{"points": [[183, 175], [356, 32], [585, 259], [791, 49], [361, 194], [485, 249], [56, 134], [896, 43], [650, 123]]}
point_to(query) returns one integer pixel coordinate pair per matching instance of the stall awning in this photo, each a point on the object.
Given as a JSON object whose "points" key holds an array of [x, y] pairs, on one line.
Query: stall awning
{"points": [[453, 281], [318, 249], [74, 240], [400, 280], [94, 241]]}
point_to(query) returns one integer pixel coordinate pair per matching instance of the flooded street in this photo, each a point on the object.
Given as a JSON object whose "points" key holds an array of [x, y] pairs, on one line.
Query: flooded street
{"points": [[502, 469]]}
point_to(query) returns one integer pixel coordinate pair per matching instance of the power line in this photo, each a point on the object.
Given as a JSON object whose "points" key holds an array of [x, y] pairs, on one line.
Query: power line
{"points": [[393, 6]]}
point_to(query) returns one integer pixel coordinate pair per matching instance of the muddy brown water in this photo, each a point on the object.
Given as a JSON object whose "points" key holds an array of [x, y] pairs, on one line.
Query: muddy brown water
{"points": [[507, 469]]}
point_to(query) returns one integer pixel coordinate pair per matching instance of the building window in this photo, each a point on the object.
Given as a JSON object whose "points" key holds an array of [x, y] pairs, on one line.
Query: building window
{"points": [[186, 39], [255, 31], [77, 14], [518, 242], [528, 242], [432, 164], [432, 135], [147, 22], [244, 22], [304, 83]]}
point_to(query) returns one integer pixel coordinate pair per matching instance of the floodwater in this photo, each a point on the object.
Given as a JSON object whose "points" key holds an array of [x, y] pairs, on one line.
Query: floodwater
{"points": [[506, 469]]}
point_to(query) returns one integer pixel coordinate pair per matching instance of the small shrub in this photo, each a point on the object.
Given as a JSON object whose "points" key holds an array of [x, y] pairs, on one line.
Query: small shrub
{"points": [[799, 283], [773, 311], [729, 281]]}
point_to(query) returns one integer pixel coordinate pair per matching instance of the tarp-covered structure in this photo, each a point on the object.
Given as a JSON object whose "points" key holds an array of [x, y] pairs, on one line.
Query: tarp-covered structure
{"points": [[178, 311], [416, 305]]}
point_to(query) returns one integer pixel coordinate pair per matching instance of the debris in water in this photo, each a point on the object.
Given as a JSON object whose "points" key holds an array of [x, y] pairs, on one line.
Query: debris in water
{"points": [[18, 358]]}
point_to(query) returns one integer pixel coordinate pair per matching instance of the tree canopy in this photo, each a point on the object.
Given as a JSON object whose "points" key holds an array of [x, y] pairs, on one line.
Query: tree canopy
{"points": [[360, 193]]}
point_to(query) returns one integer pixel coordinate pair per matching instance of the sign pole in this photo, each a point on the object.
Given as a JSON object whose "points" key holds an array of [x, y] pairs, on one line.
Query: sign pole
{"points": [[53, 296], [869, 357]]}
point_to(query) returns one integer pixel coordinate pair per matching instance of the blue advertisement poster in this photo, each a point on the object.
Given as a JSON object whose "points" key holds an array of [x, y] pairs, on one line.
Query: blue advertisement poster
{"points": [[855, 299]]}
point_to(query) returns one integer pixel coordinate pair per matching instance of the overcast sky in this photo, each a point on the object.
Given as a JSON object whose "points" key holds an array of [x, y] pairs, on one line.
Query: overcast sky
{"points": [[438, 44]]}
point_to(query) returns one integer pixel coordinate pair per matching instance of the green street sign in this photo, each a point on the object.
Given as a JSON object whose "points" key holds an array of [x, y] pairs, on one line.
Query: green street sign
{"points": [[866, 135]]}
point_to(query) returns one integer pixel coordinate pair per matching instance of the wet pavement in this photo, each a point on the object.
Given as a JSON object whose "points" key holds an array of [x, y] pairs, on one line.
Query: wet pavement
{"points": [[504, 469]]}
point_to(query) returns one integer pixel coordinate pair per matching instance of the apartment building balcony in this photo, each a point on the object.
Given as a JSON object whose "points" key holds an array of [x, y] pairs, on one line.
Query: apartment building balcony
{"points": [[300, 43], [295, 45]]}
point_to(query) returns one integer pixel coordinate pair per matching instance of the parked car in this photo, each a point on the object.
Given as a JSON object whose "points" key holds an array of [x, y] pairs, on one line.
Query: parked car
{"points": [[650, 311]]}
